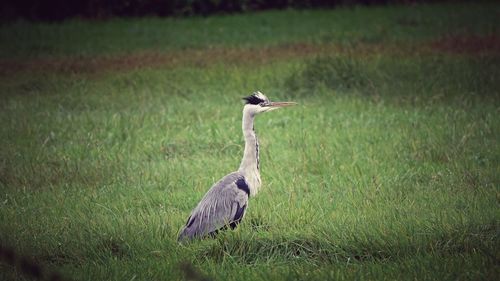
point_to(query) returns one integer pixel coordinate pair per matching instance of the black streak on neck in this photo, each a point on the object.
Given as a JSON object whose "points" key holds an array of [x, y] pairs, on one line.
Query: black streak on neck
{"points": [[257, 152], [256, 148]]}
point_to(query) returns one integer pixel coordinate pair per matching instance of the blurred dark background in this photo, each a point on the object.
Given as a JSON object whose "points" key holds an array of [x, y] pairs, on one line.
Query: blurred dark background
{"points": [[57, 10]]}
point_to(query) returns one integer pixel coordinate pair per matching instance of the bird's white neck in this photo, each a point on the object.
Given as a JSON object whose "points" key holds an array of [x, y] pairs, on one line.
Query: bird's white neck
{"points": [[250, 163]]}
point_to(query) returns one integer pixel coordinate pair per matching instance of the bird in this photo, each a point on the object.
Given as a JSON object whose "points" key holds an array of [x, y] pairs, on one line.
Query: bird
{"points": [[225, 202]]}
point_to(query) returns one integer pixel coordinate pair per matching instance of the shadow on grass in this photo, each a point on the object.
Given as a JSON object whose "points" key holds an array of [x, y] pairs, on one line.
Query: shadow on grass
{"points": [[29, 267], [191, 272]]}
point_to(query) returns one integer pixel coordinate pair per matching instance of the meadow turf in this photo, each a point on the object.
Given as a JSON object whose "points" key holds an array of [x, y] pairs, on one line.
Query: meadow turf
{"points": [[387, 169]]}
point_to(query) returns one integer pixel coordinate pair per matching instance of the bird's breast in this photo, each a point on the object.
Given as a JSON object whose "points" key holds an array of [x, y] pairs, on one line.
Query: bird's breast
{"points": [[254, 182]]}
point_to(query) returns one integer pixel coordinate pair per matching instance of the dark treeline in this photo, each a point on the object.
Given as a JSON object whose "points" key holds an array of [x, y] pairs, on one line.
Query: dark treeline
{"points": [[56, 10]]}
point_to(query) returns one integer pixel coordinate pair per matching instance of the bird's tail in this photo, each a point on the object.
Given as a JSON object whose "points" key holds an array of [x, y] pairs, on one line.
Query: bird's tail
{"points": [[183, 235], [190, 230]]}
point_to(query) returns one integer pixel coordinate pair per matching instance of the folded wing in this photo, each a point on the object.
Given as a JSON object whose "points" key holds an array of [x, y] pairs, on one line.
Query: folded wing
{"points": [[224, 205]]}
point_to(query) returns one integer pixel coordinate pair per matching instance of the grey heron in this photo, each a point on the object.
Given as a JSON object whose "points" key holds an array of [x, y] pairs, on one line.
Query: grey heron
{"points": [[225, 203]]}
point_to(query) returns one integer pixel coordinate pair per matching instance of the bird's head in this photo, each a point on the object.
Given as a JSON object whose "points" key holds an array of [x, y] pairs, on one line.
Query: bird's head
{"points": [[258, 103]]}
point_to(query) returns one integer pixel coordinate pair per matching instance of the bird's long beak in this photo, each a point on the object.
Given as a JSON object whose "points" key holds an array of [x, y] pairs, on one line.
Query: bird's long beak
{"points": [[278, 104]]}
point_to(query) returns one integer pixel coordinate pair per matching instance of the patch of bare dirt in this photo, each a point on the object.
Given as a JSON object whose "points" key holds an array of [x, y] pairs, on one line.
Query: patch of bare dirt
{"points": [[155, 59], [466, 45]]}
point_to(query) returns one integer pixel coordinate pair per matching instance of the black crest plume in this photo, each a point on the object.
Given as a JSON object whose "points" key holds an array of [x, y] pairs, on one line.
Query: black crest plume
{"points": [[253, 99]]}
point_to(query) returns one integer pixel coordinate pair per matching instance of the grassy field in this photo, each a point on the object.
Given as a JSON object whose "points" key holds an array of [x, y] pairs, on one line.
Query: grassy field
{"points": [[389, 168]]}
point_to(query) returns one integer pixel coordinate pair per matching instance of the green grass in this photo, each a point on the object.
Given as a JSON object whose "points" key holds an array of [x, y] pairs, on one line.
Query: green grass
{"points": [[387, 169], [343, 26]]}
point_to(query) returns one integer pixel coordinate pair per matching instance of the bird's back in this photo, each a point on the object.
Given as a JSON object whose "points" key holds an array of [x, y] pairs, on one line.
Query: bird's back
{"points": [[223, 205]]}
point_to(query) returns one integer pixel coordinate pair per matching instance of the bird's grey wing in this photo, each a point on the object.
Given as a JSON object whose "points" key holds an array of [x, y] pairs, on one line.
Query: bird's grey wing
{"points": [[223, 205]]}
